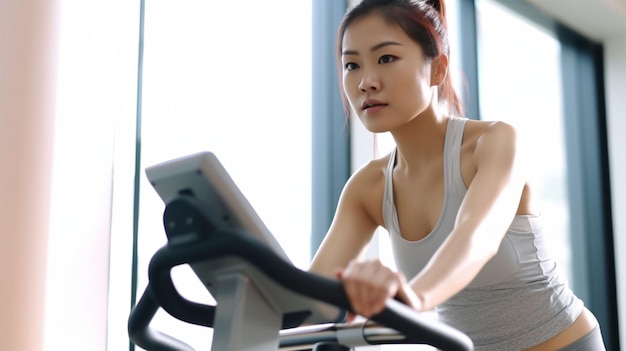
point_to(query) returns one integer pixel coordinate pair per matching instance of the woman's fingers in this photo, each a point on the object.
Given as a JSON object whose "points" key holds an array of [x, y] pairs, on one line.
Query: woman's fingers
{"points": [[368, 285]]}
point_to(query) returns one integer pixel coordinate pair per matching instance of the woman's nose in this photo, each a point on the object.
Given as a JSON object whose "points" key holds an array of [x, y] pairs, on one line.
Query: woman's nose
{"points": [[369, 81]]}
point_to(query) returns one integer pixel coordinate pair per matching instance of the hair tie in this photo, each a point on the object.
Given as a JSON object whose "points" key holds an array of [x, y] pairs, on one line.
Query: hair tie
{"points": [[436, 5]]}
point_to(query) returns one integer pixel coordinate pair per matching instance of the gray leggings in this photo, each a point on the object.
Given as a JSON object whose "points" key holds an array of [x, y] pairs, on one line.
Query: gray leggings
{"points": [[590, 342]]}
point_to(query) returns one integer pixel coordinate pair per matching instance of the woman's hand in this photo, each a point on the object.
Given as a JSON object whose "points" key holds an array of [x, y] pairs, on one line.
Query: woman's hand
{"points": [[368, 285]]}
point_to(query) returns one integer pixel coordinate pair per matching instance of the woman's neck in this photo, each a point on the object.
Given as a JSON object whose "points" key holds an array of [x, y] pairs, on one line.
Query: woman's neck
{"points": [[420, 141]]}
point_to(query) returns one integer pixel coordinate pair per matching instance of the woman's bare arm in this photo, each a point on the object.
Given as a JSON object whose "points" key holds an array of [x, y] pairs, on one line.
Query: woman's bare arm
{"points": [[486, 213], [351, 230]]}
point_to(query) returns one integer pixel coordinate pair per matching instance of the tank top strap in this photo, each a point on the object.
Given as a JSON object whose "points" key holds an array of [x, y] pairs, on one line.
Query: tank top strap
{"points": [[452, 156], [389, 209]]}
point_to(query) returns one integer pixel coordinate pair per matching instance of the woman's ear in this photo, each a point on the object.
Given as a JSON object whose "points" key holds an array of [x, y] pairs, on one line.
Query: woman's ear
{"points": [[439, 70]]}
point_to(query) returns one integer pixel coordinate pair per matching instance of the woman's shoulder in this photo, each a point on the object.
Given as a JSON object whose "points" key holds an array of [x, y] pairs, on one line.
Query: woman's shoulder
{"points": [[497, 142], [480, 128], [495, 131], [365, 188], [368, 180], [371, 173]]}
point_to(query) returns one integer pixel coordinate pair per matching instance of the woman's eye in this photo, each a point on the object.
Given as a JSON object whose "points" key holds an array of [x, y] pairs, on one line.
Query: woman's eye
{"points": [[386, 59], [350, 66]]}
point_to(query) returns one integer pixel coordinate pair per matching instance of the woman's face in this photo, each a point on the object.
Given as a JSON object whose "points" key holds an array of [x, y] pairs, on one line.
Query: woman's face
{"points": [[386, 77]]}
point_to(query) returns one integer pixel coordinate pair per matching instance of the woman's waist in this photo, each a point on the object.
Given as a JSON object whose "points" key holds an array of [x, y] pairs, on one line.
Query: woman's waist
{"points": [[499, 314]]}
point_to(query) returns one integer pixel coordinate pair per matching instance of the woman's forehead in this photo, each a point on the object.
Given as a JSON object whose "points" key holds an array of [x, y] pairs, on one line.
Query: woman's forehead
{"points": [[365, 32]]}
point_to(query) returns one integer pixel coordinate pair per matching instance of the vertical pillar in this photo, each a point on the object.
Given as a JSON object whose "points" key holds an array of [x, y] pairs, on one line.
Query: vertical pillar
{"points": [[28, 38], [330, 133]]}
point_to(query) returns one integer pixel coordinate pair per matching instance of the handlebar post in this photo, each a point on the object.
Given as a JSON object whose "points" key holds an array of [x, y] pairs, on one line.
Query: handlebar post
{"points": [[244, 320]]}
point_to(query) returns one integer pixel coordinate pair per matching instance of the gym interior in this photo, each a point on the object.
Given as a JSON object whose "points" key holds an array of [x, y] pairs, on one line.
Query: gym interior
{"points": [[93, 92]]}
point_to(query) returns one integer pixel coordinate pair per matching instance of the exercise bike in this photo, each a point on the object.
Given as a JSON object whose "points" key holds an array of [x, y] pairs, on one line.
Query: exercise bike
{"points": [[264, 302]]}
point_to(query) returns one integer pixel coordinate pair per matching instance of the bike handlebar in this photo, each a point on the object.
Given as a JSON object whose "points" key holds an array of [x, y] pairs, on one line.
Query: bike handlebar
{"points": [[222, 243]]}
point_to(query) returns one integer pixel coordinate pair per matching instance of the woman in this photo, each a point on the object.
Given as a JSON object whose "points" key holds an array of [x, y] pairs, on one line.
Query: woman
{"points": [[453, 195]]}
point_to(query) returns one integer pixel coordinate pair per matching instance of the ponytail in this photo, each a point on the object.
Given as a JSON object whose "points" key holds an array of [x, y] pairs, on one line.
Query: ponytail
{"points": [[446, 89]]}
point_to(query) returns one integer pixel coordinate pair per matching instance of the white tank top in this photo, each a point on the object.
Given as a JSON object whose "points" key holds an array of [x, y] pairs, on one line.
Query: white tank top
{"points": [[519, 299]]}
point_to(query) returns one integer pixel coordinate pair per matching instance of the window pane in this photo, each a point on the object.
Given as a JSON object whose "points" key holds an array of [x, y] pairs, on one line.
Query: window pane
{"points": [[520, 83], [233, 78]]}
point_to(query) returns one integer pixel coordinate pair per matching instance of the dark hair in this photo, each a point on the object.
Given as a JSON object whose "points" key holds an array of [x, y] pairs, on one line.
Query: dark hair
{"points": [[424, 21]]}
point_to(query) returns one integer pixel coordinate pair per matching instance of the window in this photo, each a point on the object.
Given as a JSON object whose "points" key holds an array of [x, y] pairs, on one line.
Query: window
{"points": [[233, 78], [96, 95]]}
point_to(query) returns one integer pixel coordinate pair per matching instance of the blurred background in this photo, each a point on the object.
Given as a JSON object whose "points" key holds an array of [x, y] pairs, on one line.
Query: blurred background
{"points": [[93, 92]]}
